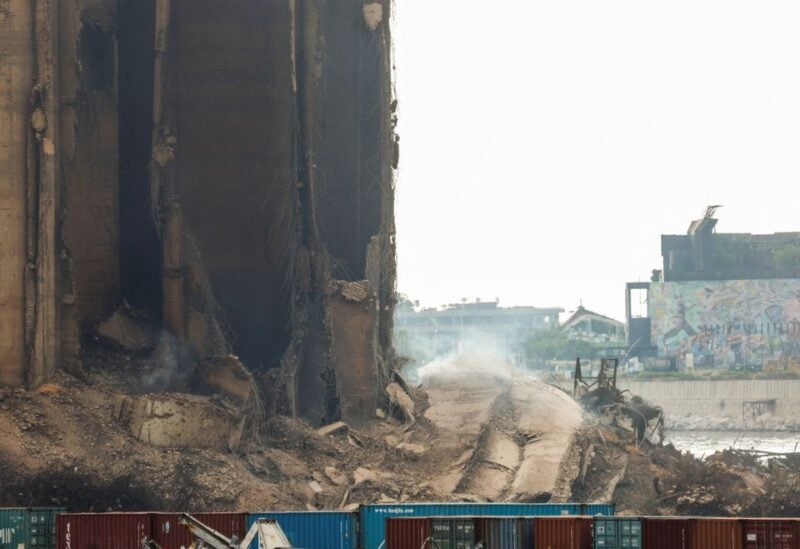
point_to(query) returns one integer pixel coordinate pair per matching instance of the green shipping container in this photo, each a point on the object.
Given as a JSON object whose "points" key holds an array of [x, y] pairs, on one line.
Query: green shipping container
{"points": [[453, 533], [13, 528], [31, 528], [617, 533], [42, 527]]}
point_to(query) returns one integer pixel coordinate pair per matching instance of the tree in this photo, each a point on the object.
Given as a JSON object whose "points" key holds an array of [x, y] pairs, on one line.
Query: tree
{"points": [[553, 345]]}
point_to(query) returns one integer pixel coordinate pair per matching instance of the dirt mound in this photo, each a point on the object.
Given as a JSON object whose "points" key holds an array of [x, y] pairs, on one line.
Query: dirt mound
{"points": [[504, 437], [500, 437], [508, 432]]}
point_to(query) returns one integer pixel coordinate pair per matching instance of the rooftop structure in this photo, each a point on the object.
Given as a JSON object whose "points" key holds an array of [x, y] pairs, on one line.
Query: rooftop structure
{"points": [[704, 254]]}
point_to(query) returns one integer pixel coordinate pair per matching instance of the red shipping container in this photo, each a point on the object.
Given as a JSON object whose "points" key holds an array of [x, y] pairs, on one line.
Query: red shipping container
{"points": [[102, 530], [771, 534], [407, 533], [716, 533], [563, 533], [667, 533], [170, 534]]}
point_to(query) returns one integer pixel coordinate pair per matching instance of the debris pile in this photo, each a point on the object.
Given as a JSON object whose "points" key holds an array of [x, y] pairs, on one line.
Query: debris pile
{"points": [[475, 430]]}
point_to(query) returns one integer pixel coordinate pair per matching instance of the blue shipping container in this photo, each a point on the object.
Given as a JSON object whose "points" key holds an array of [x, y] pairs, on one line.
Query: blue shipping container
{"points": [[594, 509], [373, 517], [314, 529]]}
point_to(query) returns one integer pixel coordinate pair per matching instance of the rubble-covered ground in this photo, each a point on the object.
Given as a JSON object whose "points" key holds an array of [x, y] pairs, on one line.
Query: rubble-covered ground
{"points": [[481, 431]]}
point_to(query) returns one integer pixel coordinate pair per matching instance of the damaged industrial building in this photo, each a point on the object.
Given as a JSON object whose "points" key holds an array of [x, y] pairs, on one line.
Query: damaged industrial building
{"points": [[219, 177]]}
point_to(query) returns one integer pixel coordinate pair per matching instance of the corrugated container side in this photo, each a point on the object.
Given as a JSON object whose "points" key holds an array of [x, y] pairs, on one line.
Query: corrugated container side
{"points": [[373, 527], [42, 527], [617, 532], [666, 533], [564, 533], [592, 509], [102, 530], [716, 533], [315, 529], [500, 533], [770, 534], [605, 534], [453, 533], [527, 527], [13, 528], [407, 533], [170, 534]]}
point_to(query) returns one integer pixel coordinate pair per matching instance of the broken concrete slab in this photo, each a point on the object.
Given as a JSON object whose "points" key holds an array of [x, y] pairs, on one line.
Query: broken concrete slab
{"points": [[126, 330], [227, 375], [410, 448], [333, 428], [400, 398], [362, 474], [373, 15], [180, 420], [335, 476]]}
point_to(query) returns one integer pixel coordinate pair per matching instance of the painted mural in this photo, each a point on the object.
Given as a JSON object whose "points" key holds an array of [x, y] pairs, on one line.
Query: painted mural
{"points": [[726, 324]]}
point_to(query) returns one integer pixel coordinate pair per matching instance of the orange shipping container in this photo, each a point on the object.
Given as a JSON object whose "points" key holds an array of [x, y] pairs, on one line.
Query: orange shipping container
{"points": [[716, 533], [563, 533]]}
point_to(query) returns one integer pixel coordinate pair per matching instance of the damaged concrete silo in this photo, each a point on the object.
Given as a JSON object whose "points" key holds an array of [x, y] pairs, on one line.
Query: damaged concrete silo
{"points": [[227, 170]]}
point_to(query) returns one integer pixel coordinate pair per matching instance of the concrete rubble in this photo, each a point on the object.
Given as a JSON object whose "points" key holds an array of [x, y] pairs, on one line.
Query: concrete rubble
{"points": [[186, 421], [483, 433], [124, 330]]}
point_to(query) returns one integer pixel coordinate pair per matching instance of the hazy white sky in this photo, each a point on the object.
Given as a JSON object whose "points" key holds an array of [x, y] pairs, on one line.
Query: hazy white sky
{"points": [[545, 146]]}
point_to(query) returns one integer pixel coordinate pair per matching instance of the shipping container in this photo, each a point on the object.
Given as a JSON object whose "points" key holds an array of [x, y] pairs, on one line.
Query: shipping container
{"points": [[617, 532], [32, 527], [170, 534], [716, 533], [373, 517], [770, 534], [453, 533], [102, 530], [13, 528], [593, 509], [666, 533], [315, 529], [408, 533], [504, 533], [42, 527], [563, 533]]}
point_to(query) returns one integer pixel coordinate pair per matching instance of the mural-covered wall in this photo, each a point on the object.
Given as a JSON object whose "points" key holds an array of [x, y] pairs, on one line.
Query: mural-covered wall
{"points": [[726, 324]]}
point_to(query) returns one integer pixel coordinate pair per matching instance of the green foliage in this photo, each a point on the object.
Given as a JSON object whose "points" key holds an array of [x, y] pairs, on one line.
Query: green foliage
{"points": [[553, 345], [787, 257], [726, 253]]}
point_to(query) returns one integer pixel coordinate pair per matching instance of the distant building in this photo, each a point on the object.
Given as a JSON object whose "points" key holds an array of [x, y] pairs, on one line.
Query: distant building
{"points": [[606, 334], [591, 326], [720, 301], [455, 327]]}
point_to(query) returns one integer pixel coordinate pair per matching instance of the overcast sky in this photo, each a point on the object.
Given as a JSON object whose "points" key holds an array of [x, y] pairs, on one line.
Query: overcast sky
{"points": [[545, 146]]}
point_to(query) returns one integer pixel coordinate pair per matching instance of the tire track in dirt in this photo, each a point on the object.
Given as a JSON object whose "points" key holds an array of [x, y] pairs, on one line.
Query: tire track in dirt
{"points": [[511, 431]]}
